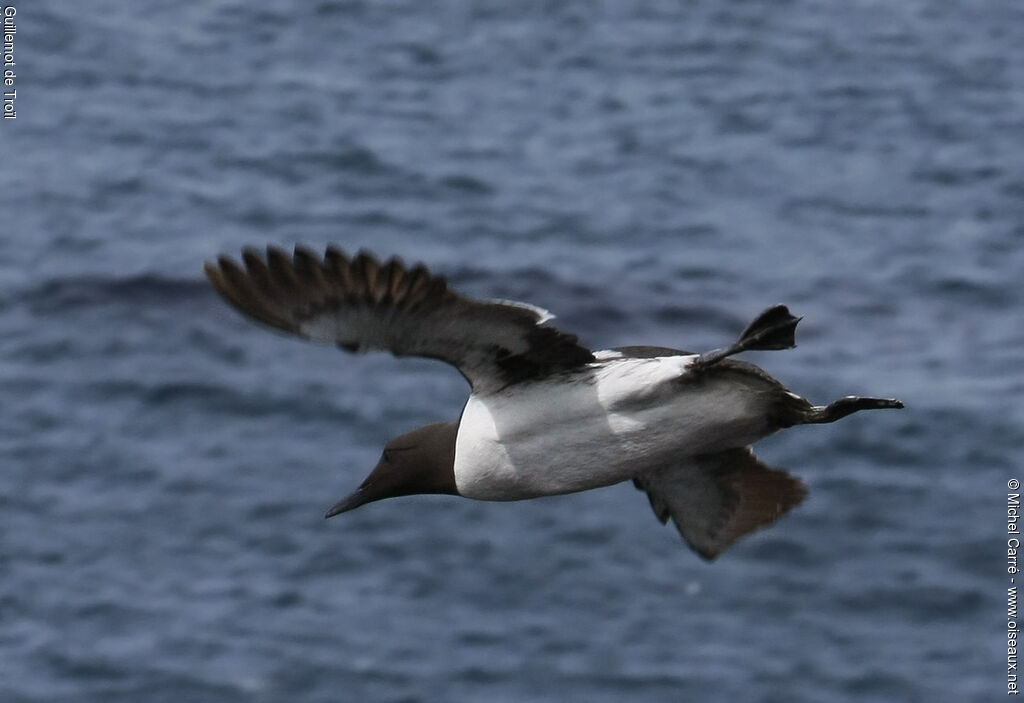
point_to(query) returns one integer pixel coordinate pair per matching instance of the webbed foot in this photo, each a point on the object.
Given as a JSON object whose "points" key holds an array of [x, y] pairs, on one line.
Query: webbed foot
{"points": [[773, 329], [846, 406]]}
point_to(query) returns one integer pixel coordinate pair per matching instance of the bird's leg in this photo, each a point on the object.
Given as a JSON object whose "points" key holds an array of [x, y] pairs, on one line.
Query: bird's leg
{"points": [[845, 406]]}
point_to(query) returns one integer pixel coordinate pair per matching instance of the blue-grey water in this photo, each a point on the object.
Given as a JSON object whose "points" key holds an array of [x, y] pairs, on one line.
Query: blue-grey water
{"points": [[652, 172]]}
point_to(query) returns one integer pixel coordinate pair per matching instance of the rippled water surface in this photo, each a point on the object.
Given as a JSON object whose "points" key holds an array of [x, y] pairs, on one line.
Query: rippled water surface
{"points": [[653, 172]]}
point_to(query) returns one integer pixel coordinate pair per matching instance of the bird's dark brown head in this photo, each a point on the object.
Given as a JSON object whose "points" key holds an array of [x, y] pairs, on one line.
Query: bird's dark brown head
{"points": [[421, 461]]}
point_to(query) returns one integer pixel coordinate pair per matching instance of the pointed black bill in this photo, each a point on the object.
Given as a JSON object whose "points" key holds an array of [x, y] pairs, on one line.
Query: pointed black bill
{"points": [[353, 501]]}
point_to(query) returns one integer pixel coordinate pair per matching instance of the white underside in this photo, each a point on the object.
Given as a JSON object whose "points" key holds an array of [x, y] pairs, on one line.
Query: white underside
{"points": [[620, 418]]}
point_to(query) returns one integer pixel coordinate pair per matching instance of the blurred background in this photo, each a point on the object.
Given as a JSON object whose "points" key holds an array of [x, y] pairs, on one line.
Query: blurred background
{"points": [[653, 173]]}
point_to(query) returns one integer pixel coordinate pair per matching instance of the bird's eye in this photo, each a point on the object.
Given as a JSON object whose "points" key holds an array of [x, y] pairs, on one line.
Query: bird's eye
{"points": [[386, 456]]}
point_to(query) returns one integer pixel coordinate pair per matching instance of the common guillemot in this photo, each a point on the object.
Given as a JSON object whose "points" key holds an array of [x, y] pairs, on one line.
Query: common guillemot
{"points": [[546, 415]]}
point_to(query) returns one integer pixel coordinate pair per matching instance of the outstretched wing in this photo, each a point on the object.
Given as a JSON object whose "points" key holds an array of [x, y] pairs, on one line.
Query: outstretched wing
{"points": [[362, 305], [715, 499]]}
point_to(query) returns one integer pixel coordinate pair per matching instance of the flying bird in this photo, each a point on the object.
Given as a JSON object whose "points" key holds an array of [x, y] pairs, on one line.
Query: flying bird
{"points": [[546, 415]]}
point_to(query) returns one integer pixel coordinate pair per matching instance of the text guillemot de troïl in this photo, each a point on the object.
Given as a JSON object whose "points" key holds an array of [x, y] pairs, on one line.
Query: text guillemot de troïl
{"points": [[10, 93]]}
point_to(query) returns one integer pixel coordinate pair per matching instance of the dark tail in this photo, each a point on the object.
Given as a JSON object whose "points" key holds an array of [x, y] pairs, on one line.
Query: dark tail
{"points": [[773, 329], [846, 406]]}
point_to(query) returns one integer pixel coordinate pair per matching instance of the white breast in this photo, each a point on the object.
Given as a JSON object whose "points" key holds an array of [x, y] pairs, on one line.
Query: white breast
{"points": [[588, 430]]}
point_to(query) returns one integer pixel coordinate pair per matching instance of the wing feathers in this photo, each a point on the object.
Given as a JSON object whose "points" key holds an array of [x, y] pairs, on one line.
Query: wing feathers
{"points": [[360, 305], [716, 499]]}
